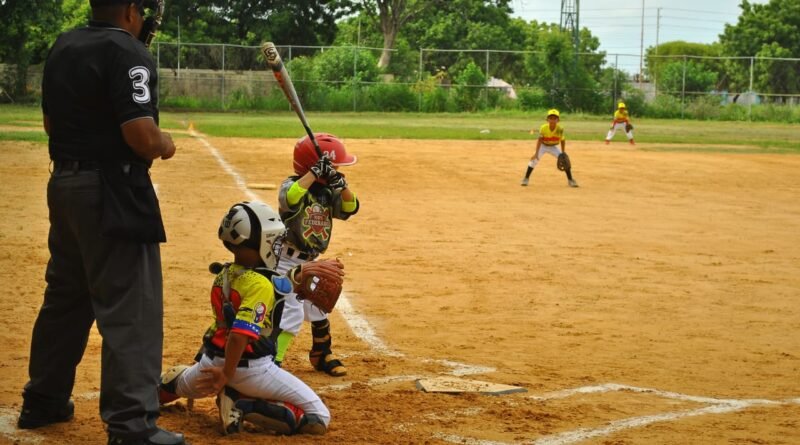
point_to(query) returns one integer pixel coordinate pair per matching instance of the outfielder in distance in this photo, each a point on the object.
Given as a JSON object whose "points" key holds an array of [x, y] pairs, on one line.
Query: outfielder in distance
{"points": [[621, 122], [237, 356], [551, 135], [309, 202]]}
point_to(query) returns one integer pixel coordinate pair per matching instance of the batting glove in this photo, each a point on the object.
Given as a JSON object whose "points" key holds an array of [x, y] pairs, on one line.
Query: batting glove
{"points": [[337, 181], [323, 168]]}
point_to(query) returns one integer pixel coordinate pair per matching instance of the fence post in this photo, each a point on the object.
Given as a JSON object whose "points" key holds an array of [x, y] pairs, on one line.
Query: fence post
{"points": [[683, 86], [419, 81], [222, 98], [752, 96], [355, 72], [616, 72]]}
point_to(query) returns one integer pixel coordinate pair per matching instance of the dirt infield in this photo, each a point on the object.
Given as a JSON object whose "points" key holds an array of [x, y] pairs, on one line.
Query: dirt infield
{"points": [[657, 303]]}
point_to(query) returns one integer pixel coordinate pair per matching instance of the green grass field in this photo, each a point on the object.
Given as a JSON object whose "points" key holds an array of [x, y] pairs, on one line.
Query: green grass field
{"points": [[19, 121]]}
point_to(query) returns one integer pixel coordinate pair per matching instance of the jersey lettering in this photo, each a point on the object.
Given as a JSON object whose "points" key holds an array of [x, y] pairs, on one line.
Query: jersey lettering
{"points": [[140, 77]]}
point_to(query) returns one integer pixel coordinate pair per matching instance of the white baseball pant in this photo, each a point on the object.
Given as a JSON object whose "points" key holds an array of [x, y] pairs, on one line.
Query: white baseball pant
{"points": [[554, 150], [618, 126]]}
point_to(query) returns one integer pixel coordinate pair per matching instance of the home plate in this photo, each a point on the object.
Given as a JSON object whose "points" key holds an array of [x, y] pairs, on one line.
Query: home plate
{"points": [[261, 186], [455, 385]]}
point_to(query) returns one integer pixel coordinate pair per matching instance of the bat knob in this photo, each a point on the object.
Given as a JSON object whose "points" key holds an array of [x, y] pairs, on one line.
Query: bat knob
{"points": [[215, 267]]}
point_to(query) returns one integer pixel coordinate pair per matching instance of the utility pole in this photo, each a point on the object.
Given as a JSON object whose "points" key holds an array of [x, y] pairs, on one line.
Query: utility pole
{"points": [[641, 48], [655, 60]]}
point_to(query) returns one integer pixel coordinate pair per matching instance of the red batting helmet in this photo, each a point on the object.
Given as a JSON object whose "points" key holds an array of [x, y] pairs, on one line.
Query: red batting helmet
{"points": [[305, 155]]}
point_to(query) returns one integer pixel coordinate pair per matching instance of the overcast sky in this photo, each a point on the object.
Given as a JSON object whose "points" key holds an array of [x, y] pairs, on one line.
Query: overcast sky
{"points": [[618, 23]]}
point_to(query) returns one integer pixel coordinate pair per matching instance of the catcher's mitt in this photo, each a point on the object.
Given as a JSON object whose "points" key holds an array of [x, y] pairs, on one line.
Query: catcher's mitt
{"points": [[628, 126], [563, 162], [319, 282]]}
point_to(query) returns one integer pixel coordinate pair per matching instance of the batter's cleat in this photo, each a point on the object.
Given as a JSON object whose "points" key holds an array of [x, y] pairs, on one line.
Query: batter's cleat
{"points": [[35, 416], [572, 183], [326, 362], [524, 182]]}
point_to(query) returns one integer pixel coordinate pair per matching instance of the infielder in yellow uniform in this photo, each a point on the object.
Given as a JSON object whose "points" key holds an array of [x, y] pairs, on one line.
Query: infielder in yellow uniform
{"points": [[621, 122], [551, 135]]}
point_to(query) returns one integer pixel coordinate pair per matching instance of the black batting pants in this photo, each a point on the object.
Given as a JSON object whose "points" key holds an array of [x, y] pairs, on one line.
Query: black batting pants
{"points": [[116, 283]]}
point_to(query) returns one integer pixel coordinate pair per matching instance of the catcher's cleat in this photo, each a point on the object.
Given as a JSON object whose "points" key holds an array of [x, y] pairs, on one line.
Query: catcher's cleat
{"points": [[168, 388], [524, 182], [572, 183], [312, 424], [326, 362], [280, 417], [33, 416], [229, 414]]}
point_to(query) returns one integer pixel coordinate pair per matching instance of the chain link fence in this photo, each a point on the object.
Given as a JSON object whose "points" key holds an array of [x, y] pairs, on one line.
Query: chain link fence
{"points": [[223, 77]]}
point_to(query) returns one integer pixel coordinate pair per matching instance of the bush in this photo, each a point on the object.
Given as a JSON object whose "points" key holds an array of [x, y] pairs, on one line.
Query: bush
{"points": [[389, 97], [665, 107], [532, 98], [704, 108], [471, 83], [437, 101]]}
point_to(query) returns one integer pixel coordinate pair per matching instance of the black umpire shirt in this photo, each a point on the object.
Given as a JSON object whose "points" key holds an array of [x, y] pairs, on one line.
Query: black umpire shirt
{"points": [[97, 78]]}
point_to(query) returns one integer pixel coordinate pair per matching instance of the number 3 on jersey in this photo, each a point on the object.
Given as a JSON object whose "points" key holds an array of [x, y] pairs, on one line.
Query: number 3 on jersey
{"points": [[140, 77]]}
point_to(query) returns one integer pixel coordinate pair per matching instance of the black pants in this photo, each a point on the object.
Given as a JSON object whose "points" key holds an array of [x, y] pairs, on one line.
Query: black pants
{"points": [[116, 283]]}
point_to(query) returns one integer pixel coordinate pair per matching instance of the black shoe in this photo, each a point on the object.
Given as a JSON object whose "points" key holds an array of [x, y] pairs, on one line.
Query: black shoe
{"points": [[161, 437], [33, 416]]}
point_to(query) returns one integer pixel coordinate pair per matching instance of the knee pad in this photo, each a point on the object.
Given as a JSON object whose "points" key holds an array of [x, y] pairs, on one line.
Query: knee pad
{"points": [[280, 417], [168, 387]]}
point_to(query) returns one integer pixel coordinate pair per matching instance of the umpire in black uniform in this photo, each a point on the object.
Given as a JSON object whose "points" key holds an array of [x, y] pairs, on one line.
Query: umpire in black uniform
{"points": [[100, 106]]}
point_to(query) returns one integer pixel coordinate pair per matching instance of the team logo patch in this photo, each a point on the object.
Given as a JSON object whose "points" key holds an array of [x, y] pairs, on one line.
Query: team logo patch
{"points": [[317, 222], [261, 312]]}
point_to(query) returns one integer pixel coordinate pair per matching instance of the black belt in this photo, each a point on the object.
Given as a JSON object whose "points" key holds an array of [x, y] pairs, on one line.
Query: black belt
{"points": [[296, 253], [243, 363], [76, 165]]}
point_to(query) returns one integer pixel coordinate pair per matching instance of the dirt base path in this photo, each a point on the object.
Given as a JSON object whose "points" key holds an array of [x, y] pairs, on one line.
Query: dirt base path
{"points": [[657, 303]]}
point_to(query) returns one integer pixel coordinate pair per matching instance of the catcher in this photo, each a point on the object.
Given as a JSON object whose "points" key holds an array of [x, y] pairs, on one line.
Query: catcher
{"points": [[236, 361], [309, 202], [551, 135], [621, 122]]}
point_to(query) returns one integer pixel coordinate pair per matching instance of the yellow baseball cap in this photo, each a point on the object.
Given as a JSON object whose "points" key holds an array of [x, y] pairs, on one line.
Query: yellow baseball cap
{"points": [[621, 105], [553, 112]]}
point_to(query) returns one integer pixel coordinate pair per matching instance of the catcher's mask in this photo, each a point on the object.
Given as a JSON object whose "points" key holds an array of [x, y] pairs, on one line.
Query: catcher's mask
{"points": [[257, 226], [305, 155]]}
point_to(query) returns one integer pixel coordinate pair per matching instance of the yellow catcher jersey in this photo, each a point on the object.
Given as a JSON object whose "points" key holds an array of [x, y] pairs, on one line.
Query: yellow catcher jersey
{"points": [[253, 298], [551, 137]]}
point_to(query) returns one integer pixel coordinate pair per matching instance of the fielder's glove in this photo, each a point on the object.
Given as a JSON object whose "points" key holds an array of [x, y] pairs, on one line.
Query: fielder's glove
{"points": [[323, 168], [337, 181], [628, 127], [319, 282], [563, 162]]}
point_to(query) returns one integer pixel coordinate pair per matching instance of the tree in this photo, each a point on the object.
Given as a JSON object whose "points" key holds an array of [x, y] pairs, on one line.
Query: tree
{"points": [[698, 78], [27, 30], [775, 25], [391, 15]]}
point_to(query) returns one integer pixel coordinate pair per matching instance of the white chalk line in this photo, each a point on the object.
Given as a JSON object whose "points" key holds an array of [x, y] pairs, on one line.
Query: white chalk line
{"points": [[717, 406]]}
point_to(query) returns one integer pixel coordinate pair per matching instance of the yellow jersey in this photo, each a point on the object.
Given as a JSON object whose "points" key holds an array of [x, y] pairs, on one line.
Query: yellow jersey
{"points": [[620, 116], [253, 297], [551, 137]]}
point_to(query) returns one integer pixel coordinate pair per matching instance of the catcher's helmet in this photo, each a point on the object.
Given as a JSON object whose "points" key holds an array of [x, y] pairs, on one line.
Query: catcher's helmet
{"points": [[553, 112], [255, 225], [305, 155]]}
